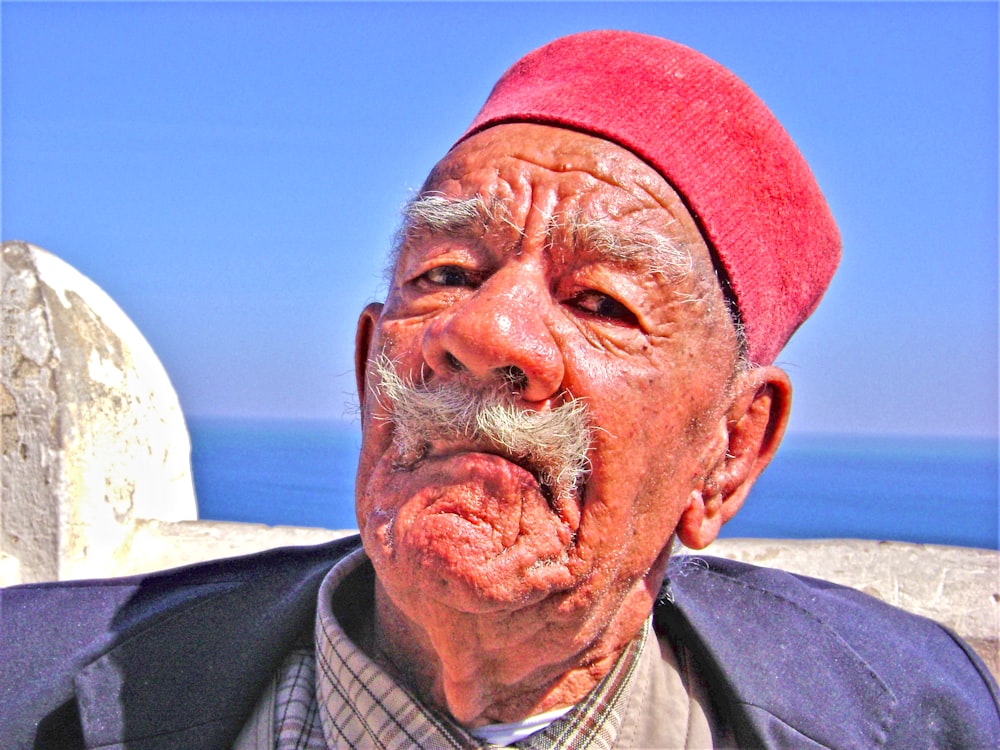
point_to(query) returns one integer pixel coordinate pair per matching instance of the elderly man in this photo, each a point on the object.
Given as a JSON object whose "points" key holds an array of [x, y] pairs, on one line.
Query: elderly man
{"points": [[573, 367]]}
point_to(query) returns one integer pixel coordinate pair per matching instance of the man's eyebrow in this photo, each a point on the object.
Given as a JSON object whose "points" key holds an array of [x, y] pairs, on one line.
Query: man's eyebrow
{"points": [[439, 214], [436, 214], [660, 254]]}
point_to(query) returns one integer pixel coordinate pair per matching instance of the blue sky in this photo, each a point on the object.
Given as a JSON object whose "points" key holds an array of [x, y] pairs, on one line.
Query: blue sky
{"points": [[231, 175]]}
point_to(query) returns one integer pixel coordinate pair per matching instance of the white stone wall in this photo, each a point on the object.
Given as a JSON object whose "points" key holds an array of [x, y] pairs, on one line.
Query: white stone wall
{"points": [[93, 434]]}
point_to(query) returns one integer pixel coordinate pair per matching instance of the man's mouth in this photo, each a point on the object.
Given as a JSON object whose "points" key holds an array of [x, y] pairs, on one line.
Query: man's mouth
{"points": [[443, 451], [457, 415]]}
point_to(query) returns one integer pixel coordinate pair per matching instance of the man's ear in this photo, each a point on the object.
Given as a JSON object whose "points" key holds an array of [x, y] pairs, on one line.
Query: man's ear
{"points": [[748, 437], [363, 339]]}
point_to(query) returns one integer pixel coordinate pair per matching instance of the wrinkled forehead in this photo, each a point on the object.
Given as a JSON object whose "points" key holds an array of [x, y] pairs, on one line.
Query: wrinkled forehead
{"points": [[584, 199], [560, 175]]}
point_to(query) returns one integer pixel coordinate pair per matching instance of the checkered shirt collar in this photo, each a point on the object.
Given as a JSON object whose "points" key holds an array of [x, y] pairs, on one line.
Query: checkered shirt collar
{"points": [[361, 705]]}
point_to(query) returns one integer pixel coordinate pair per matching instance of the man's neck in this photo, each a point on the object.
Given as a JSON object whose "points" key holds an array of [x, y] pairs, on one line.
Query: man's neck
{"points": [[485, 668]]}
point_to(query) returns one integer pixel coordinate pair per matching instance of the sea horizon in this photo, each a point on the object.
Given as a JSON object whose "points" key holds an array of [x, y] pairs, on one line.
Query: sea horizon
{"points": [[932, 489]]}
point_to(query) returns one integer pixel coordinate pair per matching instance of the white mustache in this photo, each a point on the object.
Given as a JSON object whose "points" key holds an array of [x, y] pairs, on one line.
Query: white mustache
{"points": [[552, 444]]}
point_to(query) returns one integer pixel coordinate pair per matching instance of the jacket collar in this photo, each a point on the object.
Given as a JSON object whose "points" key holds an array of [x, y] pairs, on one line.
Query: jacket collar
{"points": [[783, 676]]}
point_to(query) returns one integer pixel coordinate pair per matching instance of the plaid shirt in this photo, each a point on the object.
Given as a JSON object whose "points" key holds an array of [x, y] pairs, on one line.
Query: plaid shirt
{"points": [[335, 696]]}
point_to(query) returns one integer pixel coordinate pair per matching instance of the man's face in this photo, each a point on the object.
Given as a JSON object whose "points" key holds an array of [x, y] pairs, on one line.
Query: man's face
{"points": [[559, 282]]}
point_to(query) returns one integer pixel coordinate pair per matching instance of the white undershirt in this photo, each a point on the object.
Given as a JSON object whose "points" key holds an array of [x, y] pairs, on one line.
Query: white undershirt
{"points": [[515, 731]]}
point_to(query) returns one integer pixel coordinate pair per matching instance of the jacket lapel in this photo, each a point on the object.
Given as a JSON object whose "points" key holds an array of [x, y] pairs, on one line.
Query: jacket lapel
{"points": [[783, 676], [196, 648]]}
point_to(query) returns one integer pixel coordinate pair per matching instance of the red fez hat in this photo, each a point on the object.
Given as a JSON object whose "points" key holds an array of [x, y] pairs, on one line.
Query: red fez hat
{"points": [[755, 199]]}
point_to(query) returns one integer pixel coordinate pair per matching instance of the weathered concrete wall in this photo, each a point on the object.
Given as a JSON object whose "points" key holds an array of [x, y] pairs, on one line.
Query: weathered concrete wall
{"points": [[93, 435], [162, 544]]}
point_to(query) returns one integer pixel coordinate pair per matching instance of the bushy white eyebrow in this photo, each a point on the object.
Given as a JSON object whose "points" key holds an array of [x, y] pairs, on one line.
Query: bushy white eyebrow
{"points": [[662, 255], [439, 214], [436, 213]]}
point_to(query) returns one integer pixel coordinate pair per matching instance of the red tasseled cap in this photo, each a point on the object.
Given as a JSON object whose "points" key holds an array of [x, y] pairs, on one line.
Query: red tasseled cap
{"points": [[743, 179]]}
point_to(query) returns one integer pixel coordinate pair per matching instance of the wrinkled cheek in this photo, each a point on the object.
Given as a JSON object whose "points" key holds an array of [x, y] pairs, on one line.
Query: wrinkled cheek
{"points": [[377, 428], [373, 490], [632, 505], [401, 341], [376, 444]]}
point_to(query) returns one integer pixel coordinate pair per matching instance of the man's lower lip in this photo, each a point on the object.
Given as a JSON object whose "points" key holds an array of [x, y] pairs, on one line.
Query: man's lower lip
{"points": [[544, 488]]}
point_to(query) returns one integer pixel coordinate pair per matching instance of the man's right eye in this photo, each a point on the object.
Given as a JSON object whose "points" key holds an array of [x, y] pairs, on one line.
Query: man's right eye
{"points": [[446, 276]]}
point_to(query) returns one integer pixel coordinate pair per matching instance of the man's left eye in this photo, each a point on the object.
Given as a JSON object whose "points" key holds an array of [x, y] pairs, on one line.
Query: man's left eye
{"points": [[447, 276], [603, 306]]}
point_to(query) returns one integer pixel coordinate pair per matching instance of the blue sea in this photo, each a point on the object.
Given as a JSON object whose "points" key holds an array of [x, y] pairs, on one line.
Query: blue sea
{"points": [[932, 490]]}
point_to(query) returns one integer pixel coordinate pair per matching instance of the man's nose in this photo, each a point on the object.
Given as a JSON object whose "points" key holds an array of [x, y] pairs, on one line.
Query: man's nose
{"points": [[500, 332]]}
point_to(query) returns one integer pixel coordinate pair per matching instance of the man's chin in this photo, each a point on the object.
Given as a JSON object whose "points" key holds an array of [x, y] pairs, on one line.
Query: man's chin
{"points": [[473, 532], [451, 570]]}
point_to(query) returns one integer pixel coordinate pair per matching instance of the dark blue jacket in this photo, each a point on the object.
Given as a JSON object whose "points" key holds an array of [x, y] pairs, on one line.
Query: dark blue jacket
{"points": [[177, 659]]}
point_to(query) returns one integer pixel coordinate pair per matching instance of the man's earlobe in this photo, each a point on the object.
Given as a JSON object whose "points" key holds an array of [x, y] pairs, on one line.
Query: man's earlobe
{"points": [[367, 322], [749, 438]]}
